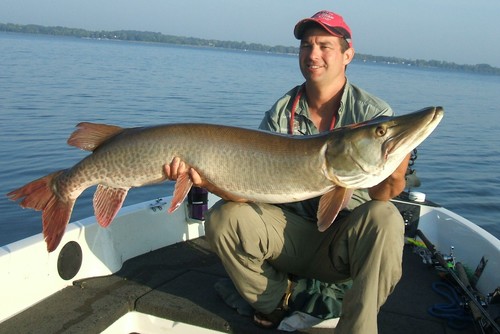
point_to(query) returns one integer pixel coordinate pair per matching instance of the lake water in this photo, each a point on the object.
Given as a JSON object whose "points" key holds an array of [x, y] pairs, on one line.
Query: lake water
{"points": [[49, 84]]}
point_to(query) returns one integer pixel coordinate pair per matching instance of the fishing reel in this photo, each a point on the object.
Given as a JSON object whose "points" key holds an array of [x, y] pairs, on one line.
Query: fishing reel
{"points": [[412, 181]]}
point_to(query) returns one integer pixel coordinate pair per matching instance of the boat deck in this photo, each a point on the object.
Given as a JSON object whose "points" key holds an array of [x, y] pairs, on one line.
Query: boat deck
{"points": [[177, 282]]}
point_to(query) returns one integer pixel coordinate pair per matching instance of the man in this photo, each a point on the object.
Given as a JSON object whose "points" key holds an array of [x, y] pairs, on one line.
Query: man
{"points": [[260, 244]]}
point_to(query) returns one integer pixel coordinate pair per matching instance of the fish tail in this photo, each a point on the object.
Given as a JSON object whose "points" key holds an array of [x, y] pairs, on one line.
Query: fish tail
{"points": [[56, 212]]}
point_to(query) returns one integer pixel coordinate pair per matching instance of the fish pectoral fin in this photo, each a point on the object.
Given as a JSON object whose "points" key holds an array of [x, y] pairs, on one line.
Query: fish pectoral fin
{"points": [[107, 202], [330, 205], [88, 136], [182, 187]]}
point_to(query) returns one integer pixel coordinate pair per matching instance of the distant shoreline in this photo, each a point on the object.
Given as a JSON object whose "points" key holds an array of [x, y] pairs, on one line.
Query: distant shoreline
{"points": [[155, 37]]}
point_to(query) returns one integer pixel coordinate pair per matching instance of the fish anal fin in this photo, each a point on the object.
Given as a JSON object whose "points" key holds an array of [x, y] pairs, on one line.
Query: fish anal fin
{"points": [[88, 136], [330, 205], [56, 212], [107, 202], [182, 187]]}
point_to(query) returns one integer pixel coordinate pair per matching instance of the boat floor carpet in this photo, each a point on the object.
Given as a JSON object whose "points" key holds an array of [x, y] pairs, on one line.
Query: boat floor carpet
{"points": [[177, 283]]}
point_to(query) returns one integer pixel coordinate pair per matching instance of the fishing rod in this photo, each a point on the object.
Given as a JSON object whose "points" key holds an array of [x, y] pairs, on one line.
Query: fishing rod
{"points": [[478, 312]]}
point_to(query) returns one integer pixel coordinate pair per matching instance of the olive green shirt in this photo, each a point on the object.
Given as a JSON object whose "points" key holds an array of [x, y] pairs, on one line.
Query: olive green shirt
{"points": [[356, 106]]}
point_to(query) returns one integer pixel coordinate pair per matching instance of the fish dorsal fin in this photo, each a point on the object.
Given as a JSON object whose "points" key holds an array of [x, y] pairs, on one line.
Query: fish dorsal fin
{"points": [[182, 187], [107, 202], [330, 205], [88, 136]]}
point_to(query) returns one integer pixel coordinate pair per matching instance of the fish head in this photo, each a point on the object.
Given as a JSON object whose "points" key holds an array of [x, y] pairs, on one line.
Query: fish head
{"points": [[364, 154]]}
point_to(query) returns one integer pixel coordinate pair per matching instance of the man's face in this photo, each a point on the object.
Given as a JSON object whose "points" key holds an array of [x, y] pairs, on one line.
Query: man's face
{"points": [[321, 58]]}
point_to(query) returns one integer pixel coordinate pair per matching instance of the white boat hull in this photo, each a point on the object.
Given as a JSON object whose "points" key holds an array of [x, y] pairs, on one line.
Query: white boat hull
{"points": [[30, 273]]}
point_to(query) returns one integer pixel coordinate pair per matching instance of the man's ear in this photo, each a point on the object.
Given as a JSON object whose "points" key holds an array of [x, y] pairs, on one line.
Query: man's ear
{"points": [[348, 56]]}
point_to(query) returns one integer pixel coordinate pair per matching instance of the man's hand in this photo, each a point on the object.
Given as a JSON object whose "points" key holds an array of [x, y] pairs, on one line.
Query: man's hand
{"points": [[393, 185], [178, 167]]}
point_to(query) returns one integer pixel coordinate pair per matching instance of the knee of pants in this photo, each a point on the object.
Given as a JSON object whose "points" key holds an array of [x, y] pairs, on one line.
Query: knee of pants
{"points": [[217, 220], [222, 220], [383, 217], [230, 225]]}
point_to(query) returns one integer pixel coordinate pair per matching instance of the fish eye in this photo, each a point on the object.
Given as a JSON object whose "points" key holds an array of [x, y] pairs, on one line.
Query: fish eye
{"points": [[380, 131]]}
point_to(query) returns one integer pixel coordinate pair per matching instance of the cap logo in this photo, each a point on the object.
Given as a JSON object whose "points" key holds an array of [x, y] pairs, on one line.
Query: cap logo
{"points": [[324, 15]]}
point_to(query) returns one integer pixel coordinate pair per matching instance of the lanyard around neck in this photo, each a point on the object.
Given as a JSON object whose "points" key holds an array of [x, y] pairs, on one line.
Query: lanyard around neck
{"points": [[294, 108]]}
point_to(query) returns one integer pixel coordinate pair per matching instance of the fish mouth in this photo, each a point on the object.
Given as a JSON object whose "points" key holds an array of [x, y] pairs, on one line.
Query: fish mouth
{"points": [[405, 135]]}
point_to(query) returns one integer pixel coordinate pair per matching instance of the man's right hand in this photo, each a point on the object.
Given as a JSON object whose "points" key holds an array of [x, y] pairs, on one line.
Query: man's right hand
{"points": [[178, 167]]}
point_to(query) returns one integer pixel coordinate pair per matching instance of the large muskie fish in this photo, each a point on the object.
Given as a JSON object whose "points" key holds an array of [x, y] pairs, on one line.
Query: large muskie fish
{"points": [[256, 165]]}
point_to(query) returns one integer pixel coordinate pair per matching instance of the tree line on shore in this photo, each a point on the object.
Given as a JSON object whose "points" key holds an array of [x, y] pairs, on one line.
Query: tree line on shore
{"points": [[156, 37]]}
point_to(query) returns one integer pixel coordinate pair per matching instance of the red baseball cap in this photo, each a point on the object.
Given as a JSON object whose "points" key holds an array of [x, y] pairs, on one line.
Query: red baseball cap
{"points": [[331, 22]]}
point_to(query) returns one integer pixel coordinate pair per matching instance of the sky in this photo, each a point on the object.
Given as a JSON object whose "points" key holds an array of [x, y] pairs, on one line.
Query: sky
{"points": [[459, 31]]}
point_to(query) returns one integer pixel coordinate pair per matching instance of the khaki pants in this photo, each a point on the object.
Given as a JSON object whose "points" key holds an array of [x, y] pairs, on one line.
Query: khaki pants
{"points": [[259, 244]]}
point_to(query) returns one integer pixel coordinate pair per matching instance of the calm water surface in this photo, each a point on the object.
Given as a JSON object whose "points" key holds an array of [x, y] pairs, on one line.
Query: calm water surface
{"points": [[49, 84]]}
